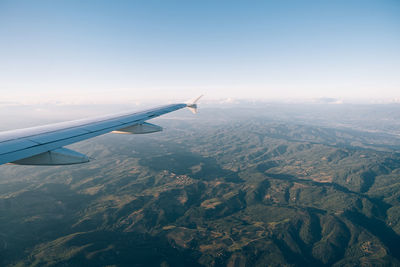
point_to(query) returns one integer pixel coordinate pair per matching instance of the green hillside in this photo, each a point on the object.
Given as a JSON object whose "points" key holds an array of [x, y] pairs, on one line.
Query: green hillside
{"points": [[231, 192]]}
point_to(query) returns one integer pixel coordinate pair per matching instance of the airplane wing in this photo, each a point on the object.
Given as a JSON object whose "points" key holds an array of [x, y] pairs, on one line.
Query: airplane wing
{"points": [[44, 145]]}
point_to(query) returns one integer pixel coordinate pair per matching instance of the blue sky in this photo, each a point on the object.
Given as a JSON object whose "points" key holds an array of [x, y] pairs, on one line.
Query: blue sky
{"points": [[132, 50]]}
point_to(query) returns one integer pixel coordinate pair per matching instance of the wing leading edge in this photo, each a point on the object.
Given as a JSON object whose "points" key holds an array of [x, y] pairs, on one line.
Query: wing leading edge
{"points": [[43, 145]]}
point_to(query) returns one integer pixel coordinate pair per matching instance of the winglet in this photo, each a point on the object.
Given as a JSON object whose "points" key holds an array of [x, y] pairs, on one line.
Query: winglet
{"points": [[192, 105]]}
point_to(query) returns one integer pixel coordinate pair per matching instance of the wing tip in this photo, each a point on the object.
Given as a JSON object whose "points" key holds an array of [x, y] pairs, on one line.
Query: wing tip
{"points": [[192, 104]]}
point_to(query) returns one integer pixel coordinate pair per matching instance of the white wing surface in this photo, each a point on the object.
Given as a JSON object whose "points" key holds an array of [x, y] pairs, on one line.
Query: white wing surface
{"points": [[43, 145]]}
